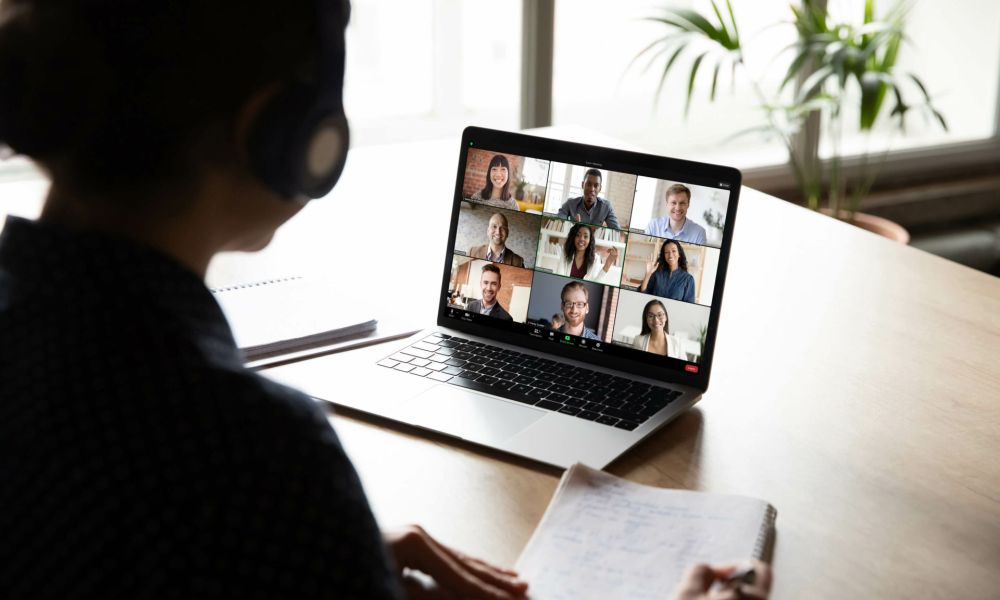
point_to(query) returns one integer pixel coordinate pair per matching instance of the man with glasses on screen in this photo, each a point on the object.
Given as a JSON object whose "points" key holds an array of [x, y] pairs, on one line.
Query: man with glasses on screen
{"points": [[575, 305], [590, 208]]}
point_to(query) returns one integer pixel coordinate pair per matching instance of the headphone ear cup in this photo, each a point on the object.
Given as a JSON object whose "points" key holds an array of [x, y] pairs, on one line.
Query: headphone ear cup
{"points": [[296, 147]]}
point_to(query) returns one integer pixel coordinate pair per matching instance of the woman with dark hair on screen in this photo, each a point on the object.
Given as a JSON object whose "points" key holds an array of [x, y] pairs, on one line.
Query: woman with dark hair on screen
{"points": [[580, 258], [139, 458], [655, 335], [668, 276], [496, 192]]}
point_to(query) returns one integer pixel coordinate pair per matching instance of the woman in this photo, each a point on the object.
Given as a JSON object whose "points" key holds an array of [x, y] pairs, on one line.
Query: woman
{"points": [[581, 260], [139, 457], [575, 306], [655, 335], [497, 189], [668, 276]]}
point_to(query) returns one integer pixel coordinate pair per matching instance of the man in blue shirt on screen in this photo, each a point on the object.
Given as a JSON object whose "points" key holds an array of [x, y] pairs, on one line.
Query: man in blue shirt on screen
{"points": [[675, 225]]}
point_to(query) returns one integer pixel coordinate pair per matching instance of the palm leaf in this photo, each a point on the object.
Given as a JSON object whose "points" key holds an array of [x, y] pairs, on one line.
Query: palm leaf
{"points": [[694, 72], [666, 69]]}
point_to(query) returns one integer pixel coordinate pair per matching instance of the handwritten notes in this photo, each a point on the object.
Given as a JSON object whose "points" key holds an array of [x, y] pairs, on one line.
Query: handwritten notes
{"points": [[605, 537]]}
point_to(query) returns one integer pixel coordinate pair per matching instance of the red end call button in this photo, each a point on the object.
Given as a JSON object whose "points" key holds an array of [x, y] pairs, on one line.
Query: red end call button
{"points": [[691, 368]]}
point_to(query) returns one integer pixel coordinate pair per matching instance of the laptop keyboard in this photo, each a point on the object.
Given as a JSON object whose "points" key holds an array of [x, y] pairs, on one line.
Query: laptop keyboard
{"points": [[606, 399]]}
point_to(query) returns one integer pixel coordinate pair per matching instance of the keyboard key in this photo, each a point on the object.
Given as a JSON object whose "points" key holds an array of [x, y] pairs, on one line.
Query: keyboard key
{"points": [[589, 415], [439, 358], [416, 352], [404, 367], [502, 385], [420, 362], [622, 414], [436, 366], [453, 370], [400, 357], [568, 410], [538, 393], [467, 374], [626, 425], [549, 405], [606, 420], [439, 376], [388, 362], [445, 352], [555, 397], [523, 379], [487, 370], [520, 389], [446, 344], [469, 383], [444, 335], [420, 371], [487, 379], [454, 362]]}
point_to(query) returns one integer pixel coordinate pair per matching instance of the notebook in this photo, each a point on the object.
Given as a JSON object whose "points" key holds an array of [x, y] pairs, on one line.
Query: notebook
{"points": [[280, 316], [606, 537], [577, 307]]}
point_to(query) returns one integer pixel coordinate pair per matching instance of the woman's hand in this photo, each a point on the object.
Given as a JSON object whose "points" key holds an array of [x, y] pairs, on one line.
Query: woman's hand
{"points": [[612, 258], [699, 580], [650, 267], [453, 573]]}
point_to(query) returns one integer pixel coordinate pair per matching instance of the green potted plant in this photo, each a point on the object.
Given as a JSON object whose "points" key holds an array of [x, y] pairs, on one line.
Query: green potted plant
{"points": [[830, 60]]}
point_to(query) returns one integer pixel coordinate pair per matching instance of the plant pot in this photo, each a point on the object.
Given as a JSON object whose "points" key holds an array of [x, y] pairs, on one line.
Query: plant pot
{"points": [[877, 225]]}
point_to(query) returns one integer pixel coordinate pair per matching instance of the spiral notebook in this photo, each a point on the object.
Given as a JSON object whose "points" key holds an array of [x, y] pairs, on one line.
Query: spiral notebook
{"points": [[605, 537], [281, 316]]}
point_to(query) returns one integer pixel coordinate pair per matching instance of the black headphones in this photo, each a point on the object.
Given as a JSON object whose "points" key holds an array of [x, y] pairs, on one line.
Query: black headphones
{"points": [[298, 146]]}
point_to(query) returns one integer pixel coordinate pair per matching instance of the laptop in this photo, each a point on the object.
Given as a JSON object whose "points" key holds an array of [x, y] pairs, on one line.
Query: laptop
{"points": [[578, 306]]}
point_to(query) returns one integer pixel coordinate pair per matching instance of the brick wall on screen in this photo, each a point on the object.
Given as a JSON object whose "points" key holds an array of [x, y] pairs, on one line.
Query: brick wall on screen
{"points": [[477, 164], [511, 276], [608, 312], [620, 191]]}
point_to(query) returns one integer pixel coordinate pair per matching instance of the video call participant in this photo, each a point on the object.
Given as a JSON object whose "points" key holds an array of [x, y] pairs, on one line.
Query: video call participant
{"points": [[496, 192], [139, 457], [557, 321], [590, 208], [489, 285], [676, 225], [575, 306], [655, 335], [667, 276], [496, 250], [580, 258]]}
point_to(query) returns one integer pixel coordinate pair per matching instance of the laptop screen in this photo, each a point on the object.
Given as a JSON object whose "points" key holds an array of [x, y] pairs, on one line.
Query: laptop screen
{"points": [[592, 253]]}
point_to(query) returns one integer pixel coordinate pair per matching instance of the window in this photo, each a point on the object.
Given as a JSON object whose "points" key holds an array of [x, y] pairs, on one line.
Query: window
{"points": [[427, 68]]}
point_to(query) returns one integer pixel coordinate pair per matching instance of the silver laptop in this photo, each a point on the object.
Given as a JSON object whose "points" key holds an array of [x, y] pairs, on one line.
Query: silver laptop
{"points": [[578, 309]]}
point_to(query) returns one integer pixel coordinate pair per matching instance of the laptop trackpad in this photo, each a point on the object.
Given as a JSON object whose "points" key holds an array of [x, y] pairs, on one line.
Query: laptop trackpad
{"points": [[469, 415]]}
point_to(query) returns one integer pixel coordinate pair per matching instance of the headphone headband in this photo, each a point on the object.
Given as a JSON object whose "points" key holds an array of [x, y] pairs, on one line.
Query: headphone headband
{"points": [[298, 146]]}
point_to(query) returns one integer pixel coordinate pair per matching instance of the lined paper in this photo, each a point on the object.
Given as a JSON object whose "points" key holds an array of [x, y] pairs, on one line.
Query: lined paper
{"points": [[605, 537]]}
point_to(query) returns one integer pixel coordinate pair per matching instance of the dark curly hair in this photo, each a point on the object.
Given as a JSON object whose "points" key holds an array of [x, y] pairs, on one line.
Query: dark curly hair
{"points": [[569, 248], [682, 261]]}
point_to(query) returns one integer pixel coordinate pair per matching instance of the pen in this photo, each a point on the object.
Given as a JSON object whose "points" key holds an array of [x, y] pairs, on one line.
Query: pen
{"points": [[740, 576]]}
